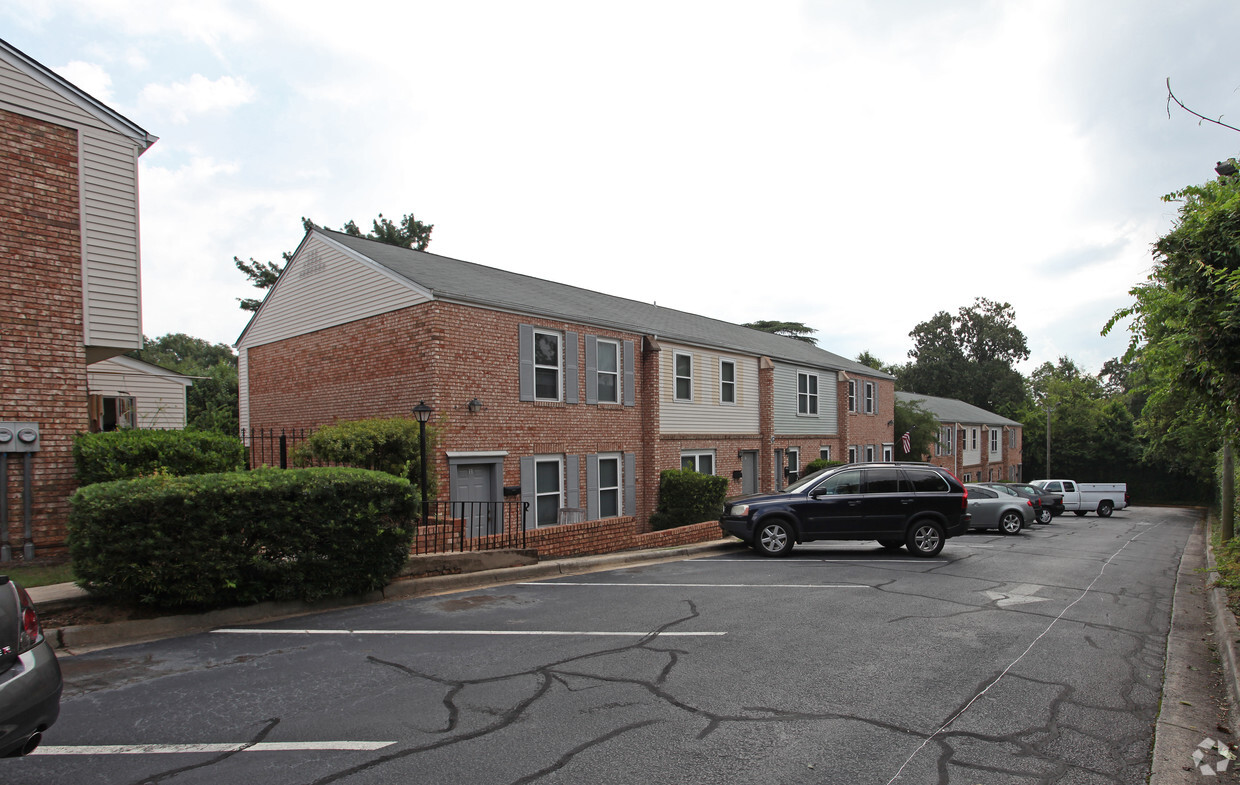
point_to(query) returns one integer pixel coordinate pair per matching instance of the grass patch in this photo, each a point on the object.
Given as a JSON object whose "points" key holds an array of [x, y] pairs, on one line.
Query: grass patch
{"points": [[40, 575], [1227, 562]]}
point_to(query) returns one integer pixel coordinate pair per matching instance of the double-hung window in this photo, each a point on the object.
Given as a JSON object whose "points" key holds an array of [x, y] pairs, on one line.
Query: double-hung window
{"points": [[972, 438], [609, 486], [548, 490], [824, 452], [807, 394], [608, 371], [727, 381], [994, 442], [701, 461], [852, 396], [547, 366], [684, 376], [852, 454], [871, 399]]}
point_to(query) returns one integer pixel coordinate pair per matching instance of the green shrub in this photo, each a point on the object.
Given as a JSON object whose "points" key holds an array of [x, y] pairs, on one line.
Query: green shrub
{"points": [[817, 465], [213, 540], [390, 446], [687, 497], [123, 455]]}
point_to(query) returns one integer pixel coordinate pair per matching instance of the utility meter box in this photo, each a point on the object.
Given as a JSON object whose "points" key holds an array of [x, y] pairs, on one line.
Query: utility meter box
{"points": [[19, 437]]}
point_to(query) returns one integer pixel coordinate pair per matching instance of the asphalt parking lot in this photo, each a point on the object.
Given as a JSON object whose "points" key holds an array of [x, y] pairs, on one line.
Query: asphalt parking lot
{"points": [[1031, 658]]}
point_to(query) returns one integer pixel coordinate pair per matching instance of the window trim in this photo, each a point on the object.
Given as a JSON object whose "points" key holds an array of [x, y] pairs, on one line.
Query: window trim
{"points": [[726, 384], [824, 452], [559, 368], [871, 398], [852, 454], [619, 487], [696, 456], [618, 374], [792, 459], [807, 396], [852, 395], [676, 377], [994, 441], [559, 461]]}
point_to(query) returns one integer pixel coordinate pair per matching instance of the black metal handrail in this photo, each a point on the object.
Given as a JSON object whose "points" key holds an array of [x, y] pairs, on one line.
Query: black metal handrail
{"points": [[458, 526]]}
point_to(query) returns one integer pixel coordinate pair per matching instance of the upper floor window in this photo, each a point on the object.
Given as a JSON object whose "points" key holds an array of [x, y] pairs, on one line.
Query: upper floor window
{"points": [[547, 366], [1012, 438], [852, 396], [684, 377], [871, 398], [727, 381], [972, 438], [994, 441], [807, 394], [608, 371], [701, 461]]}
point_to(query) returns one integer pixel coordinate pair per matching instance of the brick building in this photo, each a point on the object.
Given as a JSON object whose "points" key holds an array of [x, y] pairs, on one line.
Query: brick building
{"points": [[69, 276], [973, 444], [579, 398]]}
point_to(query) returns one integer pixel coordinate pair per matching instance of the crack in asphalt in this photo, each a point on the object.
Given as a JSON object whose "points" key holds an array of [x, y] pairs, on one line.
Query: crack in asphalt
{"points": [[258, 737]]}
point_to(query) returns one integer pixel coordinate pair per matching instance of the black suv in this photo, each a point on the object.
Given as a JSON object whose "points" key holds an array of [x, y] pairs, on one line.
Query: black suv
{"points": [[899, 504]]}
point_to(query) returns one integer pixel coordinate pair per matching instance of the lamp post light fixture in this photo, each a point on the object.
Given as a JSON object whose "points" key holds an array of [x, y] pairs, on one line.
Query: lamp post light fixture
{"points": [[423, 414]]}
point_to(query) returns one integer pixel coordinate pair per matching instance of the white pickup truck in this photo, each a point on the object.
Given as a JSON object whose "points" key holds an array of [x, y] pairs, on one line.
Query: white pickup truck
{"points": [[1083, 497]]}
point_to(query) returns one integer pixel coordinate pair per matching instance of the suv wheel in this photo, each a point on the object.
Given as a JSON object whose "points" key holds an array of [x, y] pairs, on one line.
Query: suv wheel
{"points": [[1104, 509], [925, 538], [773, 539], [1010, 523]]}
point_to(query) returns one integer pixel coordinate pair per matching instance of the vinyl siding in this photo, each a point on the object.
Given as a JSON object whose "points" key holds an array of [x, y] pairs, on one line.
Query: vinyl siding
{"points": [[787, 421], [323, 287], [108, 176], [158, 402], [705, 414]]}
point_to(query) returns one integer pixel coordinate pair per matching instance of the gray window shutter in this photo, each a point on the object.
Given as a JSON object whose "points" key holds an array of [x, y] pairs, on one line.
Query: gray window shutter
{"points": [[571, 381], [527, 490], [591, 487], [525, 336], [572, 480], [591, 369], [630, 484], [630, 394]]}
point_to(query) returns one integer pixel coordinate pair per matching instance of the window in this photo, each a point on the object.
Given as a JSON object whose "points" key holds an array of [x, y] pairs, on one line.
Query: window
{"points": [[871, 399], [727, 381], [840, 484], [548, 490], [972, 438], [111, 413], [608, 486], [852, 454], [684, 377], [946, 445], [885, 481], [1012, 438], [994, 441], [546, 366], [824, 452], [793, 455], [807, 394], [926, 481], [888, 450], [852, 396], [701, 461], [608, 371], [869, 453], [968, 478]]}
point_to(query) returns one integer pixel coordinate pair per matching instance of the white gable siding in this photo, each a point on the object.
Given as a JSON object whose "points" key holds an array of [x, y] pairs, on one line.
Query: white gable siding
{"points": [[243, 387], [323, 287], [705, 414], [108, 179], [159, 401], [787, 421]]}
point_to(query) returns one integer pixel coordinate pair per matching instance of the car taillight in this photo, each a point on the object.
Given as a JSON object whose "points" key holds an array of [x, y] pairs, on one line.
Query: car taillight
{"points": [[1029, 502], [32, 631], [964, 500]]}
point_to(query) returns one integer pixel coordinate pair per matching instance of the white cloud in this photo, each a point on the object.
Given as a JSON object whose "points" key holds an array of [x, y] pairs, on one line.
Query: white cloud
{"points": [[91, 78], [198, 95]]}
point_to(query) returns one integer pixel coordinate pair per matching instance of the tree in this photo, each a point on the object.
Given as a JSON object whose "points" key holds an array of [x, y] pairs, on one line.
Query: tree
{"points": [[922, 428], [969, 356], [211, 403], [407, 233], [795, 330]]}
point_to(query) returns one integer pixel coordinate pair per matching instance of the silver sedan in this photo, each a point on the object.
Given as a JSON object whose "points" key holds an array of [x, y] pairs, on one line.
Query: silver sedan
{"points": [[30, 681], [994, 510]]}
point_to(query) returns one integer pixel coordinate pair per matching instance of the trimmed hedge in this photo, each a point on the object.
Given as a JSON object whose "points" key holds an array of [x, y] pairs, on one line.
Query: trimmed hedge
{"points": [[817, 465], [236, 538], [123, 455], [687, 497], [385, 445]]}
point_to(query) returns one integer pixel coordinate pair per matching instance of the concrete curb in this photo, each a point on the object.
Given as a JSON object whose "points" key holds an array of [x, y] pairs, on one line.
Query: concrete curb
{"points": [[82, 638]]}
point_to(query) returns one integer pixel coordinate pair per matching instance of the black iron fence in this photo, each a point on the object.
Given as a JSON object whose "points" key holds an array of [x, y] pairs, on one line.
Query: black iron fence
{"points": [[453, 527], [271, 447]]}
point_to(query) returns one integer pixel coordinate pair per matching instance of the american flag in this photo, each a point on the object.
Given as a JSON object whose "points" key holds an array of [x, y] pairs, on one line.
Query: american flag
{"points": [[907, 441]]}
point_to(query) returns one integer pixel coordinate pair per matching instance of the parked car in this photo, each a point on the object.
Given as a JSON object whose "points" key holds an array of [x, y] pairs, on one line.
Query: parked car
{"points": [[1046, 505], [913, 505], [1083, 497], [1009, 513], [30, 682]]}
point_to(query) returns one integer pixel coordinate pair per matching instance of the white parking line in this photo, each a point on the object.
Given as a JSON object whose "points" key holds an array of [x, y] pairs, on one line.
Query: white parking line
{"points": [[166, 749], [553, 582], [564, 633]]}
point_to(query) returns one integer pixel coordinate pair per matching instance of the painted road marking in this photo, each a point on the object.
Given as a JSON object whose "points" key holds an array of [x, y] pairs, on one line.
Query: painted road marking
{"points": [[1016, 596], [552, 582], [166, 749], [566, 633]]}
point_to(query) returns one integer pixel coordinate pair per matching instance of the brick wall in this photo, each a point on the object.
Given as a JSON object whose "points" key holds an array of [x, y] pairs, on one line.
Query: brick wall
{"points": [[42, 358]]}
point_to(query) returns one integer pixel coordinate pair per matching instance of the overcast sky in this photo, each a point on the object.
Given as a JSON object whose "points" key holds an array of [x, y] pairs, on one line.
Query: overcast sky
{"points": [[854, 166]]}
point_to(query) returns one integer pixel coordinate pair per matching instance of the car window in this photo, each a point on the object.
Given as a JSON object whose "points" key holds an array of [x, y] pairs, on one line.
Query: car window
{"points": [[884, 481], [982, 493], [1053, 486], [840, 483], [1004, 490], [926, 481], [1068, 487]]}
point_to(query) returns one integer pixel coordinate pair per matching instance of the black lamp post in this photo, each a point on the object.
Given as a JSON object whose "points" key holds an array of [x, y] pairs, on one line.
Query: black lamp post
{"points": [[423, 414]]}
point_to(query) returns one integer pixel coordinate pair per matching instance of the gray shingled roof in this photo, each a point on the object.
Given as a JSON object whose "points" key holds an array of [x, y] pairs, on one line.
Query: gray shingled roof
{"points": [[952, 410], [476, 284]]}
